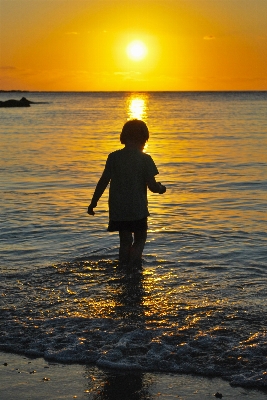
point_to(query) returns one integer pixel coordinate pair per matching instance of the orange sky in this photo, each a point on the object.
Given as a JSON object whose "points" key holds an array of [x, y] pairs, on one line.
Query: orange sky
{"points": [[80, 45]]}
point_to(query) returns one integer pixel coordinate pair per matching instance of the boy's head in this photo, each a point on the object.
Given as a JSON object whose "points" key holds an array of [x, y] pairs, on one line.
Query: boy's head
{"points": [[134, 131]]}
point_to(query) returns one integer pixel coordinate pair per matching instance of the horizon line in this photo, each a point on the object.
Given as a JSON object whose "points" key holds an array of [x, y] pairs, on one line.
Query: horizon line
{"points": [[129, 91]]}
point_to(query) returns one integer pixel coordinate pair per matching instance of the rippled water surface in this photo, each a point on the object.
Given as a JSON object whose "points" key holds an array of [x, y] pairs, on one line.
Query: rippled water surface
{"points": [[199, 304]]}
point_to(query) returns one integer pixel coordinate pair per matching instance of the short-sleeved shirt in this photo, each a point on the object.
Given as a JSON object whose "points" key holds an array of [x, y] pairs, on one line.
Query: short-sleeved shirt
{"points": [[129, 171]]}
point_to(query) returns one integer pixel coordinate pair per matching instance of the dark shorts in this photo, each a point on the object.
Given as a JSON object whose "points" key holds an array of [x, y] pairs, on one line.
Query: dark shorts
{"points": [[131, 226]]}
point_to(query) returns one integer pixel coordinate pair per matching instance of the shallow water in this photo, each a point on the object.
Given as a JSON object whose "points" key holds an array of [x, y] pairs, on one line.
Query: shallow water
{"points": [[31, 378], [199, 306]]}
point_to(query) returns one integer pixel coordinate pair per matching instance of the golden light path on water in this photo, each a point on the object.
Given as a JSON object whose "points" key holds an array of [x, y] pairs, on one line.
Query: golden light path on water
{"points": [[150, 299], [137, 107]]}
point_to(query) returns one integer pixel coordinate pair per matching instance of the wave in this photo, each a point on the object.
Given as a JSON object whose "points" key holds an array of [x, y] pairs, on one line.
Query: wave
{"points": [[92, 312]]}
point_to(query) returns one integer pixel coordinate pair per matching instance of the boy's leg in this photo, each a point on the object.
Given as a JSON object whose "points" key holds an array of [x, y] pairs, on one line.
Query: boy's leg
{"points": [[137, 248], [126, 241]]}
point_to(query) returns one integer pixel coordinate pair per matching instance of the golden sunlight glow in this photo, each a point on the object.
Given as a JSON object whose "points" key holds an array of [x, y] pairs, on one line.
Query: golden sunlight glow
{"points": [[96, 46], [136, 50], [137, 107]]}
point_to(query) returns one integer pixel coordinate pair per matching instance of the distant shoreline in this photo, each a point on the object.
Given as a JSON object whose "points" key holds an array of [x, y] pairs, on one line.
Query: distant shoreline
{"points": [[14, 91], [136, 91]]}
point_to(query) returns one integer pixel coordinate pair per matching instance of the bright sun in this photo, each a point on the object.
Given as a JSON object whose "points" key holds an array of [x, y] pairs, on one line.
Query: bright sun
{"points": [[136, 50]]}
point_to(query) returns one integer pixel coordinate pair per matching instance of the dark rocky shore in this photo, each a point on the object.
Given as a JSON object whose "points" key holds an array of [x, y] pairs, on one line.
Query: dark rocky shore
{"points": [[23, 102]]}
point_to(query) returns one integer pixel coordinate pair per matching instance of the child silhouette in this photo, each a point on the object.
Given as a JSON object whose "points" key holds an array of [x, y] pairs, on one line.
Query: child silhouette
{"points": [[129, 172]]}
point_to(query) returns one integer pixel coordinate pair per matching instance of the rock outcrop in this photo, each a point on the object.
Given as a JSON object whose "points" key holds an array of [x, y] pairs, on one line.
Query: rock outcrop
{"points": [[23, 102]]}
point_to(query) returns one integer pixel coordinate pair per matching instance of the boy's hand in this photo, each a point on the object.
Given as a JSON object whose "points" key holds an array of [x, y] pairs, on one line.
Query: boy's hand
{"points": [[162, 188], [90, 210], [155, 187]]}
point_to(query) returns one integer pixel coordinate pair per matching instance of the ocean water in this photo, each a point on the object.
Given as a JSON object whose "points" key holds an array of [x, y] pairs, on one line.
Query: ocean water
{"points": [[199, 305]]}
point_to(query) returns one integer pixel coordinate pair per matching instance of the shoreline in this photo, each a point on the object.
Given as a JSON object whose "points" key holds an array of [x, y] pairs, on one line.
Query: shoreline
{"points": [[27, 378]]}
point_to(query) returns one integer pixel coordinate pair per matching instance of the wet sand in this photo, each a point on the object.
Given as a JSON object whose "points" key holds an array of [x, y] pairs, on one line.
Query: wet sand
{"points": [[25, 378]]}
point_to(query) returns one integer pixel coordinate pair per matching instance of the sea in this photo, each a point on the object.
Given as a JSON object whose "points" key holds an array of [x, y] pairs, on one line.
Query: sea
{"points": [[199, 304]]}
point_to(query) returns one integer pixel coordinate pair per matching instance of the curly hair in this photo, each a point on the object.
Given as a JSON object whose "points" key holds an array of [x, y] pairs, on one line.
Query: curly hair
{"points": [[135, 131]]}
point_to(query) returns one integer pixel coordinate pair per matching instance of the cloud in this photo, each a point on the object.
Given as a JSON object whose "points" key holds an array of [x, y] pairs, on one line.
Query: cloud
{"points": [[209, 37], [8, 68], [129, 75]]}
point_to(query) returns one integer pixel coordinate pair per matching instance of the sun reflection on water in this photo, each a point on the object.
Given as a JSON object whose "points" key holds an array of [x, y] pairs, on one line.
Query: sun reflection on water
{"points": [[147, 300], [137, 106]]}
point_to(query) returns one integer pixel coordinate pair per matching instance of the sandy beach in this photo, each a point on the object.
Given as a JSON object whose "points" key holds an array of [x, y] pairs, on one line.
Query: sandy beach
{"points": [[35, 378]]}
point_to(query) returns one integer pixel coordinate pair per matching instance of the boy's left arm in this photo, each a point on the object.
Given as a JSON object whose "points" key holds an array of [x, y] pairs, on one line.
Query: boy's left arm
{"points": [[155, 187]]}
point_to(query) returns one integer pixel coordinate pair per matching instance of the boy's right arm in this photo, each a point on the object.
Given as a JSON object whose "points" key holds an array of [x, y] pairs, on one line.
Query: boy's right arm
{"points": [[99, 190]]}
